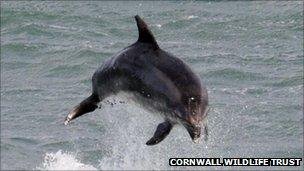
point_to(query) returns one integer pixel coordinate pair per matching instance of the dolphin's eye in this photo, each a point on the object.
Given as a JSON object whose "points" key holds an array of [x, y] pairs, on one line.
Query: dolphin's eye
{"points": [[192, 99]]}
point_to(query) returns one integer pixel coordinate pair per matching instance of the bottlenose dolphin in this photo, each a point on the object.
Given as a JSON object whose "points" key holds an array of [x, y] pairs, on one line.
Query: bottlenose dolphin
{"points": [[158, 79]]}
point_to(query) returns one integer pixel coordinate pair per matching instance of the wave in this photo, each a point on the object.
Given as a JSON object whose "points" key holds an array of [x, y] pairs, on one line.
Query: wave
{"points": [[89, 53], [20, 47], [11, 15], [286, 82], [234, 74], [63, 161], [66, 71]]}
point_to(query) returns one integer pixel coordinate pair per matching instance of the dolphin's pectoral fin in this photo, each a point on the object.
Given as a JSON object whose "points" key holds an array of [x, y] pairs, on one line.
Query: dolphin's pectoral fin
{"points": [[162, 130], [87, 105]]}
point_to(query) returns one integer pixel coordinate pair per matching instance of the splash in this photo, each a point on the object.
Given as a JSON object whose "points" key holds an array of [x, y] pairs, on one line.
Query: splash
{"points": [[63, 161], [124, 140]]}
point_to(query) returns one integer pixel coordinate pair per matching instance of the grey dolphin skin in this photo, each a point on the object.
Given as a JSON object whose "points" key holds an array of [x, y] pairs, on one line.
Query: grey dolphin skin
{"points": [[160, 81]]}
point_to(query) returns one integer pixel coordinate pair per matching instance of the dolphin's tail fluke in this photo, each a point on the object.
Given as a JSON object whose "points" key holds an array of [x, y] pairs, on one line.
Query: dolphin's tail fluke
{"points": [[144, 33], [87, 105]]}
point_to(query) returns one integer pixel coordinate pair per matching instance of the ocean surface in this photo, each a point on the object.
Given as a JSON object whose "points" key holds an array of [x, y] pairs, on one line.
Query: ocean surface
{"points": [[248, 54]]}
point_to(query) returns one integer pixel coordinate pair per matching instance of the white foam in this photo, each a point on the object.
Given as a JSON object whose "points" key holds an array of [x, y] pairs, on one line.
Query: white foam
{"points": [[191, 17], [63, 161]]}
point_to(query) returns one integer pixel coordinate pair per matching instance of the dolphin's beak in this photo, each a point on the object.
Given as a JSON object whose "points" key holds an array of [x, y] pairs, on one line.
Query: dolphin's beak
{"points": [[194, 132]]}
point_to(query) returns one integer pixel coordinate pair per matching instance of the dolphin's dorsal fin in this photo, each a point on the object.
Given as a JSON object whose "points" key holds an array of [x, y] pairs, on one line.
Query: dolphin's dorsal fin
{"points": [[144, 34]]}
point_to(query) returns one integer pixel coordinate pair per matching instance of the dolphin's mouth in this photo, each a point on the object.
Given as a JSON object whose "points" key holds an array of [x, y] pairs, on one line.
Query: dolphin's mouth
{"points": [[196, 140], [194, 132], [195, 136]]}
